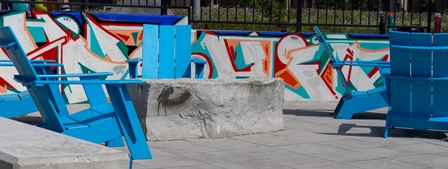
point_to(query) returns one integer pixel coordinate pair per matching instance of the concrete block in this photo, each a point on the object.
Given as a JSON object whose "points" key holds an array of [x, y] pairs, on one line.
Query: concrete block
{"points": [[188, 108], [23, 146]]}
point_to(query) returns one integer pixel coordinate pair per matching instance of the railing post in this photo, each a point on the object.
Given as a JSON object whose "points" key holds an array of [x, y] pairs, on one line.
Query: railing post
{"points": [[164, 10], [429, 16], [299, 16], [382, 24]]}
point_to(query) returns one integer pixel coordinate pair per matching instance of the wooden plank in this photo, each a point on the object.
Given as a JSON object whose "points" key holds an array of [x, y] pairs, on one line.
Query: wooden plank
{"points": [[150, 52], [421, 67], [183, 51], [166, 59], [440, 69], [400, 65]]}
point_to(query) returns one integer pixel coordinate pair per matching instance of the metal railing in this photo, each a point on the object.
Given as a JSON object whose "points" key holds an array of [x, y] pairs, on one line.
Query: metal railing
{"points": [[297, 15]]}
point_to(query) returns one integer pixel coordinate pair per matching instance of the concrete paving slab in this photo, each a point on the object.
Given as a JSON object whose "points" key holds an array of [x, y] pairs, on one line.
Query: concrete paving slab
{"points": [[311, 139], [345, 156], [386, 164], [23, 146], [308, 148], [162, 159], [300, 161], [403, 150]]}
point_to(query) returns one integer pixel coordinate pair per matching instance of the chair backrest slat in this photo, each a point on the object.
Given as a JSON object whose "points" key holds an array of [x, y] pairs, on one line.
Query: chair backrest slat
{"points": [[421, 63], [440, 69], [400, 65], [166, 57]]}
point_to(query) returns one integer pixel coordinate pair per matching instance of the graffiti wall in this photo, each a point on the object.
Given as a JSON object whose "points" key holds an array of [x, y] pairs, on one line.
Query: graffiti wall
{"points": [[103, 42], [297, 58]]}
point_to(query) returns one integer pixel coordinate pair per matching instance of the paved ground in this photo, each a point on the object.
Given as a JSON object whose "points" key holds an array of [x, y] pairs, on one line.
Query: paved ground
{"points": [[311, 139]]}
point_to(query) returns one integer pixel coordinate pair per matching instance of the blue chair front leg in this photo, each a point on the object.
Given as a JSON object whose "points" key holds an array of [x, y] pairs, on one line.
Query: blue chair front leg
{"points": [[128, 121]]}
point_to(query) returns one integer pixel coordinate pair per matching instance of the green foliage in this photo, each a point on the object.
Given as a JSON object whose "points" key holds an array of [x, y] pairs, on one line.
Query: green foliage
{"points": [[341, 4], [276, 10]]}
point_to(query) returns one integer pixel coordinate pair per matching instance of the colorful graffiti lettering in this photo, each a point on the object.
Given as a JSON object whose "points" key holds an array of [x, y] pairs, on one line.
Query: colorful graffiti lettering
{"points": [[103, 42], [82, 42], [299, 61]]}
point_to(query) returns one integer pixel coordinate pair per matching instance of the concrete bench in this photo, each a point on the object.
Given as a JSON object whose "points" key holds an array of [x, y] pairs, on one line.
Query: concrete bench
{"points": [[24, 146], [173, 109]]}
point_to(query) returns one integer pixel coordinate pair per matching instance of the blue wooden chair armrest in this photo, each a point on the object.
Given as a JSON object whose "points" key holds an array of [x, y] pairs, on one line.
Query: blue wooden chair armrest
{"points": [[417, 77], [198, 61], [76, 75], [36, 64], [134, 60], [359, 61], [133, 68], [362, 64], [431, 48], [81, 82], [7, 45], [32, 61]]}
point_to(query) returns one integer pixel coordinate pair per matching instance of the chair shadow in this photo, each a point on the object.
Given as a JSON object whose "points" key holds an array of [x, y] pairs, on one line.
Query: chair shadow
{"points": [[329, 113], [376, 131], [31, 120]]}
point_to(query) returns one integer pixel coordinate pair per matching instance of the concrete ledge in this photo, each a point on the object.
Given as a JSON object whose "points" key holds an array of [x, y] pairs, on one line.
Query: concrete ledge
{"points": [[23, 146], [218, 108]]}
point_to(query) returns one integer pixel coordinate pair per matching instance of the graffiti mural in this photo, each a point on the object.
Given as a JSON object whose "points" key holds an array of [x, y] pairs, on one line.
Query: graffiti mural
{"points": [[82, 42], [296, 58], [86, 42]]}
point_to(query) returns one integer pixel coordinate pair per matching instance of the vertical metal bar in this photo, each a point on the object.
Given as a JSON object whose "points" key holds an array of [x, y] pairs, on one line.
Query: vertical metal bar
{"points": [[245, 13], [378, 11], [309, 11], [253, 11], [360, 12], [299, 16], [236, 12], [421, 11], [326, 12], [210, 11], [262, 12], [164, 10], [343, 13], [412, 11], [227, 8], [429, 15], [352, 18], [368, 8], [334, 14], [317, 15], [219, 10]]}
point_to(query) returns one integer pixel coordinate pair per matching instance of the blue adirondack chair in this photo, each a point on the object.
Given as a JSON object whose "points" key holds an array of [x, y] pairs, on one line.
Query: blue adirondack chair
{"points": [[103, 122], [17, 104], [418, 81], [360, 101]]}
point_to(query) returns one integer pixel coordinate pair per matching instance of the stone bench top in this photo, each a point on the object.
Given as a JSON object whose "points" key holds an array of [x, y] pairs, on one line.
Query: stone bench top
{"points": [[24, 146]]}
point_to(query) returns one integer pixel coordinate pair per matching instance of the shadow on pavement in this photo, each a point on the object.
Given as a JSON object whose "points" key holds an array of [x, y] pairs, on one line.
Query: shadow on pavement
{"points": [[377, 131], [329, 113]]}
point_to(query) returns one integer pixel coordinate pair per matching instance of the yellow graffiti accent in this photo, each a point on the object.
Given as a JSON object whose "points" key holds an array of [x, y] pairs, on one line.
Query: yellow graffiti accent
{"points": [[40, 7]]}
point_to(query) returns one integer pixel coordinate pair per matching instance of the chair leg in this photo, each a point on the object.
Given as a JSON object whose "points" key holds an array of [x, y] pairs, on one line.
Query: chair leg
{"points": [[128, 121], [118, 142], [386, 128], [338, 108]]}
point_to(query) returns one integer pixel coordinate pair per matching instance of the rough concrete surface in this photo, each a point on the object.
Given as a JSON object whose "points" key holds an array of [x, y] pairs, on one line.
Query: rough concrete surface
{"points": [[217, 108], [23, 146]]}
